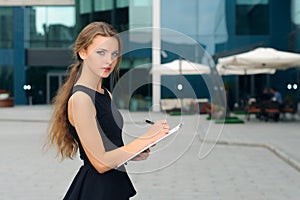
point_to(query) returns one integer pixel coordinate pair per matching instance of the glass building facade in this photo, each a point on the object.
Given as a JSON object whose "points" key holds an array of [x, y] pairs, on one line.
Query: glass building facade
{"points": [[221, 27], [6, 43], [51, 26], [6, 34], [50, 33], [36, 40], [246, 15]]}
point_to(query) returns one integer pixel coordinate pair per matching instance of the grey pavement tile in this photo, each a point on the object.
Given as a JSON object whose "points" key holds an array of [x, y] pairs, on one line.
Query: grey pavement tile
{"points": [[173, 171]]}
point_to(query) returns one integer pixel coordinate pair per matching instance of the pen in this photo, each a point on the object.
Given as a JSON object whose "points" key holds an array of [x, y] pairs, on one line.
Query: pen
{"points": [[149, 121]]}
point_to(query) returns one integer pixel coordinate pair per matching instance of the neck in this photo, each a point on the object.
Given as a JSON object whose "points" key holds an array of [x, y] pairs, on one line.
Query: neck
{"points": [[90, 80]]}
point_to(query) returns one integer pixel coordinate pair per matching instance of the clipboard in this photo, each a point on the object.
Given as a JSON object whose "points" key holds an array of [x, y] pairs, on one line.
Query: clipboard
{"points": [[173, 130]]}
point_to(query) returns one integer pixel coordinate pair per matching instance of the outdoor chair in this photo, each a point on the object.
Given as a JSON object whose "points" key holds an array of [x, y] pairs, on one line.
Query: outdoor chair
{"points": [[271, 110], [288, 107], [253, 108]]}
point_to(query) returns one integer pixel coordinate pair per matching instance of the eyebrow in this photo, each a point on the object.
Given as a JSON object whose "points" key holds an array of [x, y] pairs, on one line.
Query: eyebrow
{"points": [[101, 49]]}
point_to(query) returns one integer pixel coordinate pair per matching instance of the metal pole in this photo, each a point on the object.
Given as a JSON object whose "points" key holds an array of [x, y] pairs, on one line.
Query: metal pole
{"points": [[237, 92], [180, 82], [268, 81], [113, 23], [252, 82], [48, 88], [156, 48]]}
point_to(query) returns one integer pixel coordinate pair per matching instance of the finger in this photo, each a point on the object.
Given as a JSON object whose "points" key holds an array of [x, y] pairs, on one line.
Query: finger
{"points": [[143, 154], [167, 126], [164, 121], [141, 157], [146, 151]]}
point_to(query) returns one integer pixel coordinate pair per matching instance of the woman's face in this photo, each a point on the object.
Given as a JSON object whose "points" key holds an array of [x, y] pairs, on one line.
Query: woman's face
{"points": [[101, 56]]}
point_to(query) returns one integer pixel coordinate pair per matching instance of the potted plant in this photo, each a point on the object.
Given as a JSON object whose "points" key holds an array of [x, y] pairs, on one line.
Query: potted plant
{"points": [[5, 99], [4, 94]]}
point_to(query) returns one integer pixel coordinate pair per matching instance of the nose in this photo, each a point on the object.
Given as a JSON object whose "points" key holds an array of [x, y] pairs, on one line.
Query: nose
{"points": [[108, 59]]}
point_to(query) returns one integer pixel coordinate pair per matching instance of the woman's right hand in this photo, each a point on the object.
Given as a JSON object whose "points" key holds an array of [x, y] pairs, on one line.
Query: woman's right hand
{"points": [[156, 131]]}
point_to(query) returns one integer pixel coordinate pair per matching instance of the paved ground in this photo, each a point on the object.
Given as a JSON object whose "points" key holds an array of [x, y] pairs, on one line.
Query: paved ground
{"points": [[255, 160]]}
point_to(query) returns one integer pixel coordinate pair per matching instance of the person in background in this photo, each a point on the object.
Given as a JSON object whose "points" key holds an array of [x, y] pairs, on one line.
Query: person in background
{"points": [[276, 96], [86, 118], [276, 102], [265, 96]]}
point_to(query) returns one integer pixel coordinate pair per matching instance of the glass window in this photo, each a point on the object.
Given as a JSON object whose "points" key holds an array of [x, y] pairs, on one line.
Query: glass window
{"points": [[122, 3], [112, 16], [51, 26], [295, 12], [142, 3], [36, 76], [85, 6], [6, 34], [102, 5], [140, 14], [7, 78], [251, 2], [252, 17]]}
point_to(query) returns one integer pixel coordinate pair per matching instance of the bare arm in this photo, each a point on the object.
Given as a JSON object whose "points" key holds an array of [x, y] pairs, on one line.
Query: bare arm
{"points": [[82, 115]]}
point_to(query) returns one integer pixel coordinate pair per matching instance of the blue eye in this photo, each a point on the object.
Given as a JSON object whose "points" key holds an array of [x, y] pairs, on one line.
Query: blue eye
{"points": [[101, 52], [115, 54]]}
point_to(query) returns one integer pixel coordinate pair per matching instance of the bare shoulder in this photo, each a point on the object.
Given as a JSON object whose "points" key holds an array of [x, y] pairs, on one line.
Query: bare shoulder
{"points": [[80, 97], [81, 101]]}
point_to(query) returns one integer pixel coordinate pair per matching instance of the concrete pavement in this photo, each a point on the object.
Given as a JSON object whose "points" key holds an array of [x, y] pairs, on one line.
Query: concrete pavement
{"points": [[255, 160]]}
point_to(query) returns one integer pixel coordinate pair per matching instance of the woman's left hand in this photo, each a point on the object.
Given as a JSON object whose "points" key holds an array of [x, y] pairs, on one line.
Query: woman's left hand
{"points": [[142, 156]]}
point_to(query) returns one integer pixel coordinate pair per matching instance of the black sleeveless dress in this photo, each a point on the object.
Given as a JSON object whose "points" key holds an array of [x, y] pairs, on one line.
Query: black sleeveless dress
{"points": [[89, 184]]}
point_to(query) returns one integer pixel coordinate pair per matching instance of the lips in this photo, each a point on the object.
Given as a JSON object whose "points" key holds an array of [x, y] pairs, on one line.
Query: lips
{"points": [[107, 69]]}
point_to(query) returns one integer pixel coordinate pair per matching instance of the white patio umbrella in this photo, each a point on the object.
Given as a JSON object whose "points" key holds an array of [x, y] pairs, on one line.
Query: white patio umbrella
{"points": [[257, 61], [262, 58], [242, 70], [178, 67]]}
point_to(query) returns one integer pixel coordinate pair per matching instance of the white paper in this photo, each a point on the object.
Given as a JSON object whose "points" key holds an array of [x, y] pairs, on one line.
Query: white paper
{"points": [[173, 130]]}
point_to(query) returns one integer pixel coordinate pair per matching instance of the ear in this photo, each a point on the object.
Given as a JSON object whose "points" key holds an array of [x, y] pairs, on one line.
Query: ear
{"points": [[82, 53]]}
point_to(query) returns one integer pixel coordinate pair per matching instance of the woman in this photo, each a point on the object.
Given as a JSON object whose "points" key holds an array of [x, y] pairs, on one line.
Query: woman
{"points": [[85, 118]]}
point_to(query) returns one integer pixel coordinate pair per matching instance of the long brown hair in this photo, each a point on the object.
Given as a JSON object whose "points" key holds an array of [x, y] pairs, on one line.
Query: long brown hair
{"points": [[59, 133]]}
